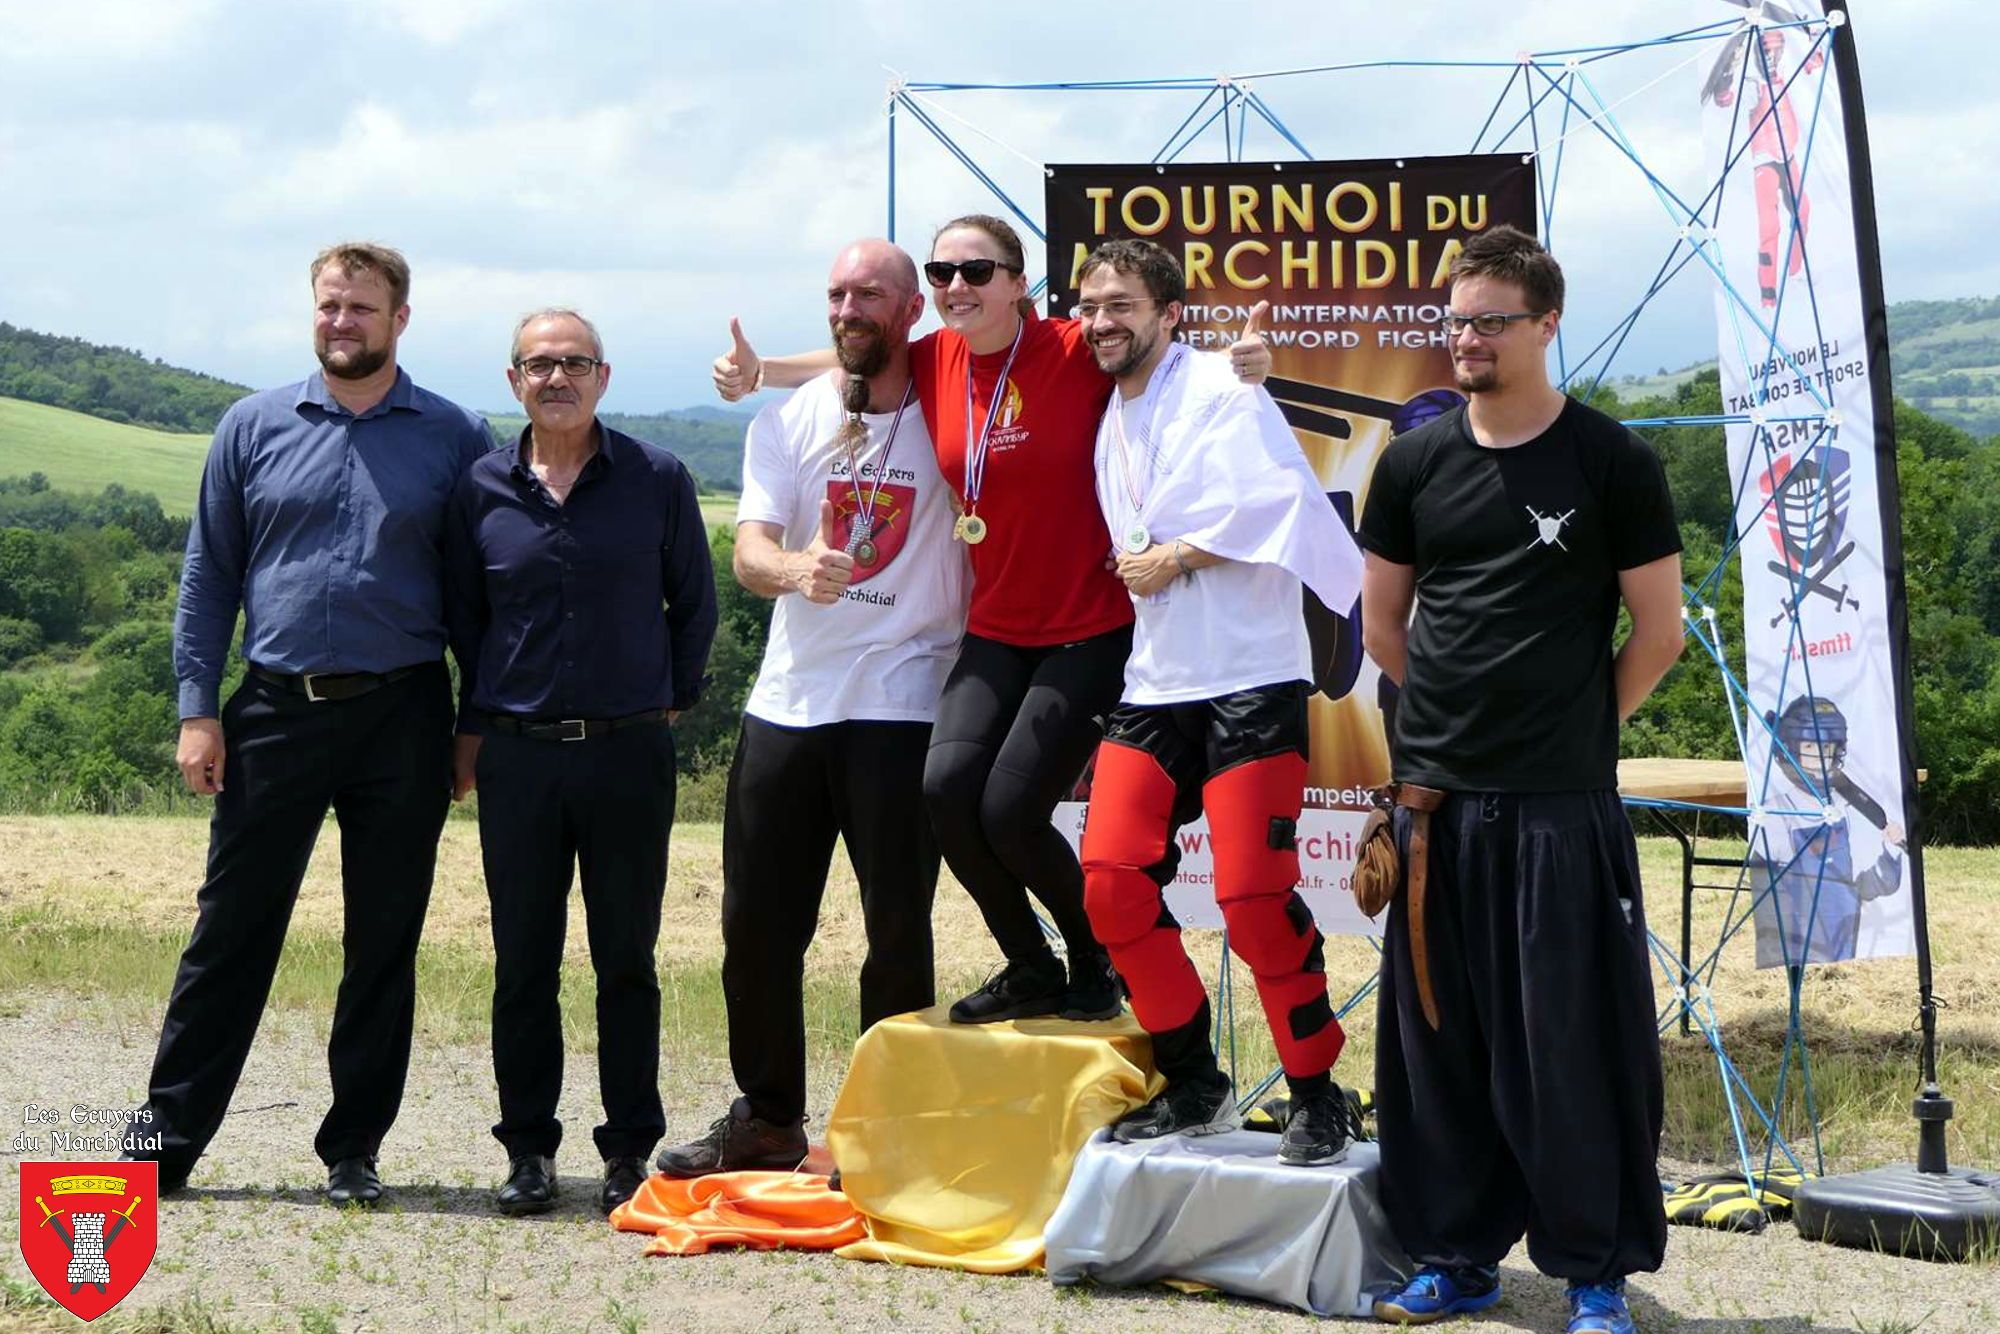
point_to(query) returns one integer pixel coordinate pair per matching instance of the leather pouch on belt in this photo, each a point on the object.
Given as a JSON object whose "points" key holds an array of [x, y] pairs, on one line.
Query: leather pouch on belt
{"points": [[1379, 877]]}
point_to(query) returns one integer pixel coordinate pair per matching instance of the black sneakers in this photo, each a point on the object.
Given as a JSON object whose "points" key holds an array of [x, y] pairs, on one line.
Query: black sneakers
{"points": [[1191, 1107], [1318, 1130], [1095, 991], [738, 1142], [1023, 990]]}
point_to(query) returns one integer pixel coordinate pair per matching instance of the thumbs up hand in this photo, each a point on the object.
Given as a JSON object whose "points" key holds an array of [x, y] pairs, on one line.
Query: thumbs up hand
{"points": [[738, 371], [823, 570], [1249, 355]]}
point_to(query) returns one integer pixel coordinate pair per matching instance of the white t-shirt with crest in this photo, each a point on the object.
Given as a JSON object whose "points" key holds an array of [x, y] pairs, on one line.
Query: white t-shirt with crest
{"points": [[881, 652]]}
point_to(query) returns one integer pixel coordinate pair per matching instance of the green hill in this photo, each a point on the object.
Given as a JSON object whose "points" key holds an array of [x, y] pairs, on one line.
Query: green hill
{"points": [[115, 383], [1944, 357], [83, 453]]}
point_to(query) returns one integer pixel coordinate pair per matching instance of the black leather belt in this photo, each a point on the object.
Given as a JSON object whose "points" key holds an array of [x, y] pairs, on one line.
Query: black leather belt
{"points": [[569, 729], [331, 687]]}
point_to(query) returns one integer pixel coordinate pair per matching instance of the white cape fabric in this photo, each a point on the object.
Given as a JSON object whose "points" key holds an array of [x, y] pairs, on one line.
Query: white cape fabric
{"points": [[1222, 1210], [1227, 475]]}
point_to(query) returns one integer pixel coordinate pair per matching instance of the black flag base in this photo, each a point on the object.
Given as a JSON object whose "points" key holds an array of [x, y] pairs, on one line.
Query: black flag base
{"points": [[1930, 1211]]}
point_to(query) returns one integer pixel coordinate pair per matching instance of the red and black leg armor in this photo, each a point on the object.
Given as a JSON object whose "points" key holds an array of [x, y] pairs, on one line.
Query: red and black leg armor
{"points": [[1253, 815], [1126, 862]]}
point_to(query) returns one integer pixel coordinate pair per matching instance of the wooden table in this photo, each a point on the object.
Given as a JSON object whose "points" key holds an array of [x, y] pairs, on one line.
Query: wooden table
{"points": [[1718, 783]]}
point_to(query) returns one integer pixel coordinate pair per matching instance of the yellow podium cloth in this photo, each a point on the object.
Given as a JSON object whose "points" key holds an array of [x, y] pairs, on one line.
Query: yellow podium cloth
{"points": [[955, 1141]]}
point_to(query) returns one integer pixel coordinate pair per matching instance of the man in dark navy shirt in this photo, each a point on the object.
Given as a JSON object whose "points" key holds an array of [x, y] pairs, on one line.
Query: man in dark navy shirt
{"points": [[322, 519], [582, 606]]}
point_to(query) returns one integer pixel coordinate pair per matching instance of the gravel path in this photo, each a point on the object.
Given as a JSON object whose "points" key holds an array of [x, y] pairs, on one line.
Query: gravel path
{"points": [[251, 1243]]}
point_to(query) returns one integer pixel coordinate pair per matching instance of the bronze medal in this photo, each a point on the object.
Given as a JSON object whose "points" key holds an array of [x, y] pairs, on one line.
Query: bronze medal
{"points": [[865, 552]]}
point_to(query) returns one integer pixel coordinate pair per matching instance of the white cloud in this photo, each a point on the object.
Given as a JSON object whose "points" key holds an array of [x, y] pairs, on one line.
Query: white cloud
{"points": [[443, 22], [664, 167], [92, 34]]}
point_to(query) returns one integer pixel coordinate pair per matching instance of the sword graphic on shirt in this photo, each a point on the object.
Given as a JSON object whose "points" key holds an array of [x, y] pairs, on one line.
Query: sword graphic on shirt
{"points": [[1548, 528]]}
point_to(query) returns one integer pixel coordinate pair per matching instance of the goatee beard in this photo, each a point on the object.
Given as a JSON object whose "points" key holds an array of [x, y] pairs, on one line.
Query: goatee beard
{"points": [[1475, 382], [854, 397]]}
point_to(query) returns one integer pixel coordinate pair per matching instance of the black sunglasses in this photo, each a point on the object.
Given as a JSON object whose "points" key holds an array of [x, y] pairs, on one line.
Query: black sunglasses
{"points": [[977, 272]]}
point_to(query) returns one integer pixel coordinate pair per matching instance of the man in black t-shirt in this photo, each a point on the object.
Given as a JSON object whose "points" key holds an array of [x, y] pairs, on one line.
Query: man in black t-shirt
{"points": [[1531, 1102]]}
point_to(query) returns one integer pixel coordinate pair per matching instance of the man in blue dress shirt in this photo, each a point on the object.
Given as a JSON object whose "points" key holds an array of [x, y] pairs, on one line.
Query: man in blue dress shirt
{"points": [[322, 519], [582, 606]]}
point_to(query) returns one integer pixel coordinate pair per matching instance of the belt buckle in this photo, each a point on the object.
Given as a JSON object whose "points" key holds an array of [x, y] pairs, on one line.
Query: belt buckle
{"points": [[579, 724], [306, 679]]}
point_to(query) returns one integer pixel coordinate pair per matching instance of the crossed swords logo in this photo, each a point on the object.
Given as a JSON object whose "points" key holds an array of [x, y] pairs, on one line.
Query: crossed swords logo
{"points": [[53, 1218], [1808, 501]]}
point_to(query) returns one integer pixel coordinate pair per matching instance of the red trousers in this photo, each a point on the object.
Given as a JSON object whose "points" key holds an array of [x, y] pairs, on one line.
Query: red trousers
{"points": [[1241, 758]]}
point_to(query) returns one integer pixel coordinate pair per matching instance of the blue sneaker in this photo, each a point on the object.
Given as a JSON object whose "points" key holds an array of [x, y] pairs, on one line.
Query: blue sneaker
{"points": [[1599, 1308], [1435, 1292]]}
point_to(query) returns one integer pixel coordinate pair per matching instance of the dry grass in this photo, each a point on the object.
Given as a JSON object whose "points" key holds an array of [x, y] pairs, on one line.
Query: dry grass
{"points": [[127, 886]]}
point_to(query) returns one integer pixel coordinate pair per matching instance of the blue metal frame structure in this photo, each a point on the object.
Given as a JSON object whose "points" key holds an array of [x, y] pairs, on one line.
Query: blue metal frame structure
{"points": [[1555, 90]]}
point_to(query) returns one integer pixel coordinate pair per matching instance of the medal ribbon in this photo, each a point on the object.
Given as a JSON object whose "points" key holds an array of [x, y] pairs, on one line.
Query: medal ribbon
{"points": [[975, 450], [864, 510], [1148, 409]]}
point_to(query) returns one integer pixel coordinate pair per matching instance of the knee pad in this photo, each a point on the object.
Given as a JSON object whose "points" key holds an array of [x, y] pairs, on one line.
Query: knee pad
{"points": [[1253, 827], [1131, 804], [1276, 936]]}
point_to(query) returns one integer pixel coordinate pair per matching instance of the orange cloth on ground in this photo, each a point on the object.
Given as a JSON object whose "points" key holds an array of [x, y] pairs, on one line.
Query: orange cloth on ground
{"points": [[955, 1141], [761, 1210]]}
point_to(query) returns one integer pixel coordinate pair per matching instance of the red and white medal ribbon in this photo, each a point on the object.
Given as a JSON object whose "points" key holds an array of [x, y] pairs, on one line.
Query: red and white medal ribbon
{"points": [[1135, 537], [861, 533], [970, 527]]}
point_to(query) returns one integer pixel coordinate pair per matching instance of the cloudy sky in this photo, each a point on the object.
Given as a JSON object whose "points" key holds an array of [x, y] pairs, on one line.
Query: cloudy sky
{"points": [[167, 167]]}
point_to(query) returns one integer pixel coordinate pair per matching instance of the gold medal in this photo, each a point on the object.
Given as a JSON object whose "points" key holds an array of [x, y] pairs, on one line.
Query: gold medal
{"points": [[972, 528]]}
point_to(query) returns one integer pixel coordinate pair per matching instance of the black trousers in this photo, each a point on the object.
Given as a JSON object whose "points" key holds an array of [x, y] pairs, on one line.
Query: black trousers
{"points": [[1014, 729], [792, 792], [1536, 1107], [382, 762], [600, 810]]}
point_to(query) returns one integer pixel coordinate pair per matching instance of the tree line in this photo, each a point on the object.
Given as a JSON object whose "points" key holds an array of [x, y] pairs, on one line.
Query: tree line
{"points": [[115, 383], [87, 586]]}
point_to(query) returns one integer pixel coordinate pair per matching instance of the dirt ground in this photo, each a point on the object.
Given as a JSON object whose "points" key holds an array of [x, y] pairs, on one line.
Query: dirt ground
{"points": [[252, 1244]]}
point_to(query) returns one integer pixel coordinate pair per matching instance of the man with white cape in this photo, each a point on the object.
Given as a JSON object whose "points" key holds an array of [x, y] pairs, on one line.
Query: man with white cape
{"points": [[1218, 519]]}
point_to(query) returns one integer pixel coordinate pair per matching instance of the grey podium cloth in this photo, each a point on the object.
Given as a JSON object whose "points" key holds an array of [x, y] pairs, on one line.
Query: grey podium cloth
{"points": [[1221, 1210]]}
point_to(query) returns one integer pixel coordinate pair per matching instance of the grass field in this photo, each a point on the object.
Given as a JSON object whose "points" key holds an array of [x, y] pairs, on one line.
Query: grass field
{"points": [[83, 453], [100, 907]]}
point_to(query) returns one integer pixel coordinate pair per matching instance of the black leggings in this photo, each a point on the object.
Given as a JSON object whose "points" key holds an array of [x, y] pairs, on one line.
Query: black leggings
{"points": [[1014, 729]]}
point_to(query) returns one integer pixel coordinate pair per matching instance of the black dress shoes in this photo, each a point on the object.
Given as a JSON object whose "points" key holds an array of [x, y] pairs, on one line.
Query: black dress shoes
{"points": [[531, 1186], [622, 1179], [173, 1177], [353, 1181]]}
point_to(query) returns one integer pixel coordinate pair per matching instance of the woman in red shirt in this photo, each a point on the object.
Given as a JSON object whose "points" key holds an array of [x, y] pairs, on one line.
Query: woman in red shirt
{"points": [[1013, 404]]}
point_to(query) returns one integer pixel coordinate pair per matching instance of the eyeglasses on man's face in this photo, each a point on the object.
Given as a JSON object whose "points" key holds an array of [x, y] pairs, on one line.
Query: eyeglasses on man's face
{"points": [[1488, 324], [541, 368], [1118, 309]]}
